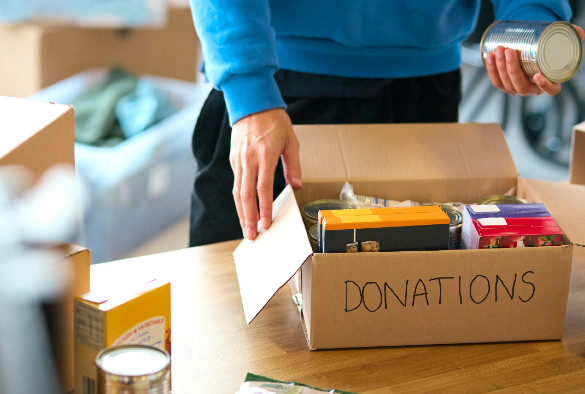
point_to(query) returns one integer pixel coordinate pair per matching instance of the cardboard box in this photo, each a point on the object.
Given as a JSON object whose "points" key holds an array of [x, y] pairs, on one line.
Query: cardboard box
{"points": [[413, 297], [142, 186], [577, 162], [124, 315], [36, 135], [39, 56], [76, 259]]}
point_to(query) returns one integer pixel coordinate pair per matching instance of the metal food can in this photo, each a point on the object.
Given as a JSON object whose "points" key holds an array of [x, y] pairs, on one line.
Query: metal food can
{"points": [[455, 220], [136, 369], [495, 199], [314, 236], [552, 48], [312, 208]]}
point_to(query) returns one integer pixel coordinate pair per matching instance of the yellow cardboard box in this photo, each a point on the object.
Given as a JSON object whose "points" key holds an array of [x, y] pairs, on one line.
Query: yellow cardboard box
{"points": [[131, 315]]}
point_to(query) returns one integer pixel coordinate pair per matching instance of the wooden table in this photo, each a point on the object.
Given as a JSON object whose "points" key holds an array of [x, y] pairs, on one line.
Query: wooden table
{"points": [[213, 348]]}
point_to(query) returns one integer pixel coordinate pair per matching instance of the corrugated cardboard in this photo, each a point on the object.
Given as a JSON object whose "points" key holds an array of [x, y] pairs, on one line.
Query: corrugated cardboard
{"points": [[577, 163], [35, 134], [40, 56], [77, 260], [411, 297]]}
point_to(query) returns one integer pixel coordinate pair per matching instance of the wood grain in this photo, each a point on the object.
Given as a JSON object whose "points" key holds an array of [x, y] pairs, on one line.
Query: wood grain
{"points": [[213, 348]]}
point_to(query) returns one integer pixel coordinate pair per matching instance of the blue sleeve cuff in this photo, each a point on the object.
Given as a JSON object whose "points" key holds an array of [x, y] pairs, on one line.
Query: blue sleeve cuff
{"points": [[251, 93]]}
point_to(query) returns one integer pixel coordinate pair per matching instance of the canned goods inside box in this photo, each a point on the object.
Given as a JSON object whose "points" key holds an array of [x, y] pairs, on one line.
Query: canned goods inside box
{"points": [[554, 49]]}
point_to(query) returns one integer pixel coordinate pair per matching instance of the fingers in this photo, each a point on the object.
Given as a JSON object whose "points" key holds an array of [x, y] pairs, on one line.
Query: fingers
{"points": [[505, 73], [291, 163], [265, 192], [248, 201], [545, 85], [580, 31], [256, 145]]}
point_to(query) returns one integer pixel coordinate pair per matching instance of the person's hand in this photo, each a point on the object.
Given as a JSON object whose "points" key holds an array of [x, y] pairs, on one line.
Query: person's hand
{"points": [[505, 73], [258, 140]]}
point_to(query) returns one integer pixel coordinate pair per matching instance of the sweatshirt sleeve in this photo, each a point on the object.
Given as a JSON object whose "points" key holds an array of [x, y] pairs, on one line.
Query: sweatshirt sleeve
{"points": [[239, 52], [532, 10]]}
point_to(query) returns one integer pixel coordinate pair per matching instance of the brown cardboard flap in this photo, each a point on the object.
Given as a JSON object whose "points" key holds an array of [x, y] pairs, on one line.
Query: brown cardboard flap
{"points": [[391, 158], [577, 164], [564, 201], [266, 264]]}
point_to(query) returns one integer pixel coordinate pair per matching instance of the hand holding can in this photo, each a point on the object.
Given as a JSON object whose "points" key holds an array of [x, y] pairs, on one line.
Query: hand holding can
{"points": [[529, 57]]}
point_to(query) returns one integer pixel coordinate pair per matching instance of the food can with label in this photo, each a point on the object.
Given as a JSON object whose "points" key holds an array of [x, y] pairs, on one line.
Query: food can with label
{"points": [[455, 220], [552, 48], [136, 369]]}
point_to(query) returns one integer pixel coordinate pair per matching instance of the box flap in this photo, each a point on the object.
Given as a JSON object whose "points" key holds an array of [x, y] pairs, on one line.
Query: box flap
{"points": [[266, 264], [577, 163], [419, 158], [22, 119], [564, 202]]}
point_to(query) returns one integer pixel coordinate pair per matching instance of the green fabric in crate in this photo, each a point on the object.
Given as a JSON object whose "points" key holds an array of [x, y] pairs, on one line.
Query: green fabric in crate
{"points": [[95, 109]]}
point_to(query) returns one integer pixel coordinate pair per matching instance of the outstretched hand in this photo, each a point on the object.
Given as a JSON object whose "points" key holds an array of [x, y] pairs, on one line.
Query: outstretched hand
{"points": [[505, 73], [257, 142]]}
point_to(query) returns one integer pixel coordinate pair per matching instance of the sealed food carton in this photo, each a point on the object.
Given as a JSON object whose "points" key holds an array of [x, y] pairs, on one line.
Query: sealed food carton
{"points": [[413, 297], [474, 211], [132, 315], [389, 230], [515, 232]]}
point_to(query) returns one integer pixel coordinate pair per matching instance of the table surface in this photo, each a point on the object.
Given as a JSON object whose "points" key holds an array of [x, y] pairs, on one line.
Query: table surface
{"points": [[213, 348]]}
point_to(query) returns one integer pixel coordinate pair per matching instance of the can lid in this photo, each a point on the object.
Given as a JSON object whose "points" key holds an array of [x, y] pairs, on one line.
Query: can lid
{"points": [[500, 199], [132, 360], [559, 52], [455, 215], [312, 208], [314, 232]]}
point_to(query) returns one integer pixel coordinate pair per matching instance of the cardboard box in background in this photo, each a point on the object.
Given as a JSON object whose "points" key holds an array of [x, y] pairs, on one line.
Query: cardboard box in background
{"points": [[577, 163], [38, 56], [412, 297], [36, 135], [76, 259], [142, 186], [128, 314]]}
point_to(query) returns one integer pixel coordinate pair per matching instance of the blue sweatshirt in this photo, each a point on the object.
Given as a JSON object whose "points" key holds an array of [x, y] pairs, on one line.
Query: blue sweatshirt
{"points": [[244, 42]]}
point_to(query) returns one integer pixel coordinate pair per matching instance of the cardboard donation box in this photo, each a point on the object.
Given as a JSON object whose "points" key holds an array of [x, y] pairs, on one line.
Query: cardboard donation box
{"points": [[413, 297], [577, 164], [131, 315], [35, 134]]}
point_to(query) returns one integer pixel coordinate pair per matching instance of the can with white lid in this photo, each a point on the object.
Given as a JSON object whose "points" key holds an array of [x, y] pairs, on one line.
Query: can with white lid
{"points": [[136, 369], [552, 48]]}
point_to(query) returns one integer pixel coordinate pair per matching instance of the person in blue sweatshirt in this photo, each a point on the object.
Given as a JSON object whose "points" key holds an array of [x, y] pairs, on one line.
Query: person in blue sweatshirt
{"points": [[275, 63]]}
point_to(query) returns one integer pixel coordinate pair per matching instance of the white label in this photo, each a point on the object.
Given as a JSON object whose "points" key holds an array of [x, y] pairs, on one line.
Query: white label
{"points": [[492, 222], [484, 208]]}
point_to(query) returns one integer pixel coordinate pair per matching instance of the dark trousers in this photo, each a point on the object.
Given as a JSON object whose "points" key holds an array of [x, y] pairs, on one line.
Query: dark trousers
{"points": [[311, 99]]}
